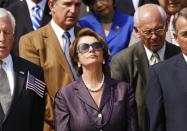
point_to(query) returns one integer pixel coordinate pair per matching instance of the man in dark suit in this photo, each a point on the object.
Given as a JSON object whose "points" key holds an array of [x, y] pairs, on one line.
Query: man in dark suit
{"points": [[21, 103], [49, 48], [166, 92], [129, 6], [23, 21], [132, 64]]}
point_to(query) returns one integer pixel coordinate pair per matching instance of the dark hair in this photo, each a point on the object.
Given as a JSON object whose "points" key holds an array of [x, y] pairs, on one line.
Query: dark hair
{"points": [[74, 55], [181, 13], [91, 2]]}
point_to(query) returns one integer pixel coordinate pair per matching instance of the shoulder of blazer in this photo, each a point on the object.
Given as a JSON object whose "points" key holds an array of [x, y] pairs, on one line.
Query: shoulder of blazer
{"points": [[136, 50], [43, 31], [21, 65], [171, 50]]}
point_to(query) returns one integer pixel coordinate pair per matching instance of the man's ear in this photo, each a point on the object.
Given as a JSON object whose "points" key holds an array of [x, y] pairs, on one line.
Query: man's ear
{"points": [[137, 32], [175, 35], [51, 4]]}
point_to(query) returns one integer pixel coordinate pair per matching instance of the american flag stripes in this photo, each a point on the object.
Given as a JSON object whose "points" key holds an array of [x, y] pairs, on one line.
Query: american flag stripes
{"points": [[35, 84]]}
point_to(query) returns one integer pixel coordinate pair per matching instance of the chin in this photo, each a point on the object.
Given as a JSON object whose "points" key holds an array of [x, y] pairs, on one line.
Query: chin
{"points": [[2, 56]]}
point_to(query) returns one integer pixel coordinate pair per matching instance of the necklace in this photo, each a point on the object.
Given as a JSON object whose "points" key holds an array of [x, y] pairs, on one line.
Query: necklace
{"points": [[95, 89]]}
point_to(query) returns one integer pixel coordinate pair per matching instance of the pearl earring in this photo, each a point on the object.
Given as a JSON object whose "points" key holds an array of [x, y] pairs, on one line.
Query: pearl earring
{"points": [[103, 62], [79, 65]]}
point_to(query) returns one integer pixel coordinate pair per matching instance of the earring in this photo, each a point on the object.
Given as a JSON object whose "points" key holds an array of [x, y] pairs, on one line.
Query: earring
{"points": [[79, 65], [103, 62]]}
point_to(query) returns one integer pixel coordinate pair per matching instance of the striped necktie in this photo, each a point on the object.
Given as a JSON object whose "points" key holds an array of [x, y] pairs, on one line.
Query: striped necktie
{"points": [[36, 18], [5, 96], [154, 58], [67, 36]]}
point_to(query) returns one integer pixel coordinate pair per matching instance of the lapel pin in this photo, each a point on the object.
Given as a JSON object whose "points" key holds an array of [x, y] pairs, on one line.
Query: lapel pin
{"points": [[21, 72], [117, 28]]}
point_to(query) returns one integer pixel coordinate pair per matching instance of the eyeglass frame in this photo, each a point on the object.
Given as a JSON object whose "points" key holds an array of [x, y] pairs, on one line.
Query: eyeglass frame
{"points": [[157, 32], [90, 45]]}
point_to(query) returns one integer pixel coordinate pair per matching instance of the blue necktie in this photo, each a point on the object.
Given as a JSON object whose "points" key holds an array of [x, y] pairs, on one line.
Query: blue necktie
{"points": [[36, 18], [67, 36]]}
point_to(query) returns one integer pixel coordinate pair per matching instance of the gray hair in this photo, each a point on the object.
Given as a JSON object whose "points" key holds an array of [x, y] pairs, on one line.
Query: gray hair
{"points": [[4, 12], [160, 9]]}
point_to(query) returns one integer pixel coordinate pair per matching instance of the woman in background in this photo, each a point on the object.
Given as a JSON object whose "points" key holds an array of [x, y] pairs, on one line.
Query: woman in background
{"points": [[94, 101], [114, 26]]}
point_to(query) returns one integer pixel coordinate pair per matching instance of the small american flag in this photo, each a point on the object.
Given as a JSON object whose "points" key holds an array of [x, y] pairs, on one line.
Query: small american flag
{"points": [[35, 84]]}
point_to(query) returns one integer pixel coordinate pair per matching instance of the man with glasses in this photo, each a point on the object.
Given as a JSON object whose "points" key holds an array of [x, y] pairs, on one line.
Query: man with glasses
{"points": [[132, 64]]}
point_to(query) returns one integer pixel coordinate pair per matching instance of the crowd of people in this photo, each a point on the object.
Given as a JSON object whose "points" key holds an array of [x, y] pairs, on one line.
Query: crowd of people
{"points": [[117, 65]]}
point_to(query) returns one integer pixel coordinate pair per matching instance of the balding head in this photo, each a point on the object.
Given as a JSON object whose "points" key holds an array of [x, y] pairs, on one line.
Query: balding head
{"points": [[148, 11], [150, 26]]}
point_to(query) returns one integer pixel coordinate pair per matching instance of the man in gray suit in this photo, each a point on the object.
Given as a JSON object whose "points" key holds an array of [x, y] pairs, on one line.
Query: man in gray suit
{"points": [[131, 64]]}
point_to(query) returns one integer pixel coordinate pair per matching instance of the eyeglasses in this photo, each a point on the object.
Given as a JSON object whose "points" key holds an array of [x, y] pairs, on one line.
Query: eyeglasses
{"points": [[84, 47], [157, 32]]}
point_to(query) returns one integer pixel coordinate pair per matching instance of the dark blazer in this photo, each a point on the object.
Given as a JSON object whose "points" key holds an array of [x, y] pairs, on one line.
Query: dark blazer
{"points": [[131, 65], [5, 3], [127, 6], [75, 109], [23, 21], [166, 95], [26, 112]]}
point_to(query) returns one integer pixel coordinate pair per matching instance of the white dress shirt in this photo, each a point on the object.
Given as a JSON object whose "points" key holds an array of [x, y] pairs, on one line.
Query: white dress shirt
{"points": [[185, 57], [8, 67], [59, 32], [135, 4], [161, 53]]}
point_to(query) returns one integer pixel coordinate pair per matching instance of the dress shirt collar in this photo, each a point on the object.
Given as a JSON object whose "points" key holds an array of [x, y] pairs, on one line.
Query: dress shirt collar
{"points": [[59, 31], [8, 67], [7, 61], [161, 52], [185, 57], [31, 4]]}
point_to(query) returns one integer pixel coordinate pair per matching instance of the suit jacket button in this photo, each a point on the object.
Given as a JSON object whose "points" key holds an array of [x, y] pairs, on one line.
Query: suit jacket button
{"points": [[99, 115]]}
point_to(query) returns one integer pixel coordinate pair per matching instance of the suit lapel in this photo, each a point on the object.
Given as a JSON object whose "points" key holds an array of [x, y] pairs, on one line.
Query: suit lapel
{"points": [[2, 116], [83, 94], [181, 71], [116, 26], [50, 38], [46, 15], [181, 63], [25, 17], [142, 62], [96, 25], [106, 92]]}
